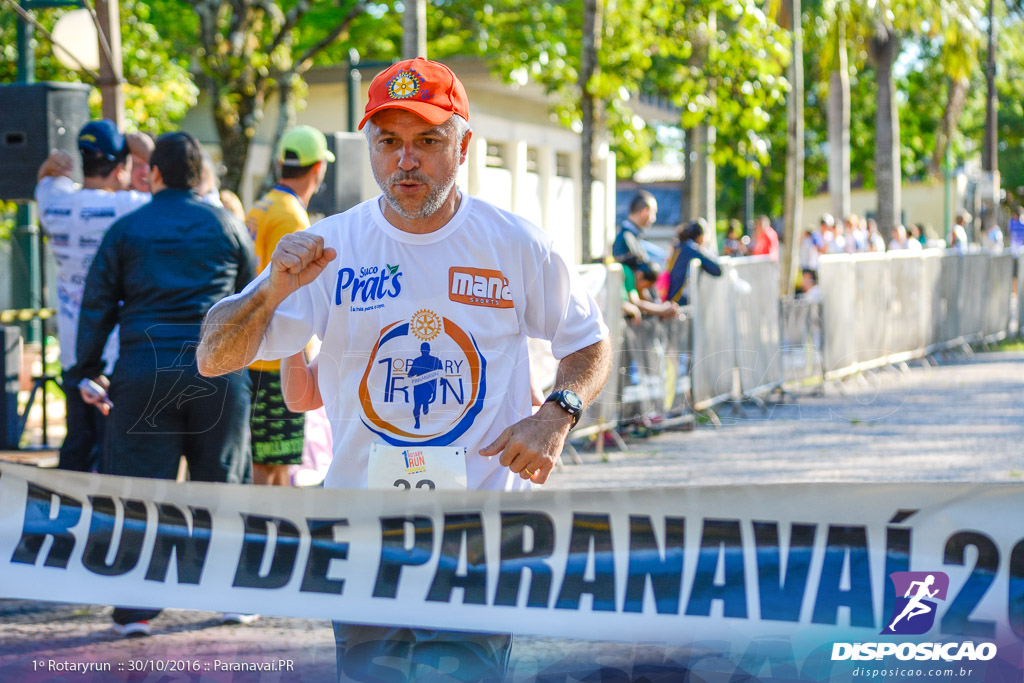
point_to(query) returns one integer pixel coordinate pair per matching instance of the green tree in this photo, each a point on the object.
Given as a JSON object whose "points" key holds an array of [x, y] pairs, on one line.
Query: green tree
{"points": [[248, 50], [158, 89]]}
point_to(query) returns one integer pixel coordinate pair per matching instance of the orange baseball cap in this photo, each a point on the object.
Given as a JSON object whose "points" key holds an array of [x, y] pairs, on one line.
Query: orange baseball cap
{"points": [[428, 89]]}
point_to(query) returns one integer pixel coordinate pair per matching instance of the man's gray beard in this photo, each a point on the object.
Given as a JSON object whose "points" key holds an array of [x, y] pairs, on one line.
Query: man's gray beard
{"points": [[433, 202]]}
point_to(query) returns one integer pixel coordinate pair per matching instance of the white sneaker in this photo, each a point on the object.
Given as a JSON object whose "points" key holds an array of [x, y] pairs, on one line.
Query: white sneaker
{"points": [[136, 629], [231, 618]]}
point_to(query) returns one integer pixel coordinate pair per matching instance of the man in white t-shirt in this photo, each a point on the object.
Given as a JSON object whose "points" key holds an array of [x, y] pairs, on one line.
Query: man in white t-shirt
{"points": [[75, 220], [423, 264]]}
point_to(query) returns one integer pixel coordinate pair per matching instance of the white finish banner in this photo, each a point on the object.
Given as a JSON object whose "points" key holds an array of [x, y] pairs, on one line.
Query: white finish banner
{"points": [[814, 564]]}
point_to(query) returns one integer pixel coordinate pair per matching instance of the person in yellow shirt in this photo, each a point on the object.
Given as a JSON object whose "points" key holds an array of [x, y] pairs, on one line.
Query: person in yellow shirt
{"points": [[277, 432]]}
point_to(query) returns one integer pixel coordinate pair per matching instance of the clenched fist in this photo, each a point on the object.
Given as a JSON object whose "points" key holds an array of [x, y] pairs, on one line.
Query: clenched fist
{"points": [[298, 259]]}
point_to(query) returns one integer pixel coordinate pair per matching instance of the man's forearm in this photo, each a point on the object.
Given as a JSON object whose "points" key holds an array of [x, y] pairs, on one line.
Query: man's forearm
{"points": [[585, 371], [232, 332]]}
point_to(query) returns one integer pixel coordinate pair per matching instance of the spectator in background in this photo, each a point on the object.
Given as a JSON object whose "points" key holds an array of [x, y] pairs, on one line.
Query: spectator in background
{"points": [[1017, 231], [140, 145], [809, 250], [876, 243], [732, 245], [835, 239], [157, 272], [230, 201], [901, 241], [809, 291], [627, 248], [856, 234], [209, 183], [75, 220], [688, 247], [766, 240], [918, 234], [635, 282], [992, 242], [958, 233]]}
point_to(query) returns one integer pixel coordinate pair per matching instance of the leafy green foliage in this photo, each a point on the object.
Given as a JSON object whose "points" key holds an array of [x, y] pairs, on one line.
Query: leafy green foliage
{"points": [[720, 62], [159, 90]]}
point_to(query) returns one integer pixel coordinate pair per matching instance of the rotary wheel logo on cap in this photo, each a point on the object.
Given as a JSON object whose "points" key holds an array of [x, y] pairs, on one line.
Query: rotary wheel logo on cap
{"points": [[404, 85]]}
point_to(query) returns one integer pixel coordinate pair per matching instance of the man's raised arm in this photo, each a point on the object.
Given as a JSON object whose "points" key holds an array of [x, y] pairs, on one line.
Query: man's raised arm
{"points": [[233, 329]]}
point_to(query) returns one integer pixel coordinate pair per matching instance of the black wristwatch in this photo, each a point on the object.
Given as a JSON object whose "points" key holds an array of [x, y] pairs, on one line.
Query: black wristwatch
{"points": [[569, 401]]}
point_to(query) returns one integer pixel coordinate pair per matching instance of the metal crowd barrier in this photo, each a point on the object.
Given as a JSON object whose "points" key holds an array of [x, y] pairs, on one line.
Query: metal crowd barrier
{"points": [[654, 369], [1020, 297], [758, 338], [738, 339], [801, 341], [879, 309]]}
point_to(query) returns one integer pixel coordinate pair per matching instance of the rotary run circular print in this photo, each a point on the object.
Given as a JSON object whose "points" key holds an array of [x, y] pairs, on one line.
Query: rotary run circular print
{"points": [[424, 383]]}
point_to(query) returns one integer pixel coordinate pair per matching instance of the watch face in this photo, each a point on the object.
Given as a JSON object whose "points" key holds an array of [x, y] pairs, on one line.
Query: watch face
{"points": [[572, 400]]}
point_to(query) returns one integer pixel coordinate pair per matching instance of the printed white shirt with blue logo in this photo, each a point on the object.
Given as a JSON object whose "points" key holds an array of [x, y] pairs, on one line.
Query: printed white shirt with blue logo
{"points": [[75, 220], [424, 357]]}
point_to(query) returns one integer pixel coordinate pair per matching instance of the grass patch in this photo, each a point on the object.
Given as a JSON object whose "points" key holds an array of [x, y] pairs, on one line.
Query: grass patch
{"points": [[1010, 345]]}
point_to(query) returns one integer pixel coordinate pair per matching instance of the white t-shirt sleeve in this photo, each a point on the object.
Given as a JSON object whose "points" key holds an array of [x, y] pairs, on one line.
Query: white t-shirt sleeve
{"points": [[52, 191], [299, 317], [559, 309]]}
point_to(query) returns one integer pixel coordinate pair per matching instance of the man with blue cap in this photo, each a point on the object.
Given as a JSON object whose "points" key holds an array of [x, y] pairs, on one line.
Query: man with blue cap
{"points": [[75, 220]]}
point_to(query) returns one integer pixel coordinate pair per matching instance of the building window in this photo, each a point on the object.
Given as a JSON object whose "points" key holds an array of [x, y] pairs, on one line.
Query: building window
{"points": [[532, 156], [497, 155], [563, 164]]}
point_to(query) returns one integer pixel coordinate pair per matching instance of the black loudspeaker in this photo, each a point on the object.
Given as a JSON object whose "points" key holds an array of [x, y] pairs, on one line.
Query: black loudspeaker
{"points": [[342, 186], [35, 118], [10, 366]]}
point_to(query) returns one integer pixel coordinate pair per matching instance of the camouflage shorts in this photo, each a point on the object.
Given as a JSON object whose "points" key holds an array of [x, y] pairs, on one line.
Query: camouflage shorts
{"points": [[276, 431]]}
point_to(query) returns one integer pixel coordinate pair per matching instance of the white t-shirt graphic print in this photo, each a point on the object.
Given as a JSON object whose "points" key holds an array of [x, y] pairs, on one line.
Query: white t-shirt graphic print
{"points": [[424, 336]]}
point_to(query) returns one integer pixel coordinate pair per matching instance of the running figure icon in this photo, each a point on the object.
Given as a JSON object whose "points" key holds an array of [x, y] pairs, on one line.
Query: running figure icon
{"points": [[915, 607], [426, 369]]}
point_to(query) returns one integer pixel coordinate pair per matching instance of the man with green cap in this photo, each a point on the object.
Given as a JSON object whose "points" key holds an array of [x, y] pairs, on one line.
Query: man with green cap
{"points": [[277, 433]]}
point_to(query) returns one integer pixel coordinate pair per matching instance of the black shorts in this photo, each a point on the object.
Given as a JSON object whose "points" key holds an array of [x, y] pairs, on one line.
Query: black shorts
{"points": [[277, 432]]}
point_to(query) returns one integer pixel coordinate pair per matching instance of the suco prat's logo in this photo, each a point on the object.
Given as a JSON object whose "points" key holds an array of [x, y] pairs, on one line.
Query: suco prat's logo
{"points": [[368, 284], [916, 594]]}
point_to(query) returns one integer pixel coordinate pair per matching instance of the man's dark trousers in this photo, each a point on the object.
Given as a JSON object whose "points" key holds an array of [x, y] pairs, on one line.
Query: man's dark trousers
{"points": [[163, 409]]}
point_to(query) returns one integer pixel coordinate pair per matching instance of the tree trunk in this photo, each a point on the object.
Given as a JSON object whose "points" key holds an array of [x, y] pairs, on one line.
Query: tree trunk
{"points": [[888, 177], [839, 131], [414, 29], [701, 172], [700, 167], [285, 120], [588, 105], [236, 126], [990, 147], [955, 102], [792, 217]]}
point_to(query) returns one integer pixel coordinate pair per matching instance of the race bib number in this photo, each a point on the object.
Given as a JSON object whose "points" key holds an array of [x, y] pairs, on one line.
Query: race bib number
{"points": [[424, 467]]}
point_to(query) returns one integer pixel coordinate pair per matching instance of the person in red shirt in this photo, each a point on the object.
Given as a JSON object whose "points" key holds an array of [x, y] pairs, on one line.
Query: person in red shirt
{"points": [[766, 240]]}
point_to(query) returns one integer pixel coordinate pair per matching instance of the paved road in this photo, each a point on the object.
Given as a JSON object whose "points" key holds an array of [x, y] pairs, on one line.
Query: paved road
{"points": [[958, 422]]}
